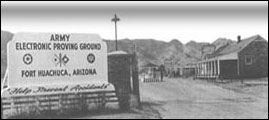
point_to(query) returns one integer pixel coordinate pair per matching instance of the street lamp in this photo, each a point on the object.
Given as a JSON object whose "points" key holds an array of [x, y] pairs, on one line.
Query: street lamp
{"points": [[116, 19]]}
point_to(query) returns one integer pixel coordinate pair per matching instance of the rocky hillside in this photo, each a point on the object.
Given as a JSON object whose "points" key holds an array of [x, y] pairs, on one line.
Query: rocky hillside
{"points": [[222, 42], [148, 50], [154, 51]]}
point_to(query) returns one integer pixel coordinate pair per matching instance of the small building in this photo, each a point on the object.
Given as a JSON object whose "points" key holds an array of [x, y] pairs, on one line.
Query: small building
{"points": [[188, 70], [248, 58], [150, 73], [168, 64], [172, 69]]}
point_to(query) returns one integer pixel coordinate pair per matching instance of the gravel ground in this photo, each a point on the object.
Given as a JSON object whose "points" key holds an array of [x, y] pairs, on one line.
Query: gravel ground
{"points": [[187, 98]]}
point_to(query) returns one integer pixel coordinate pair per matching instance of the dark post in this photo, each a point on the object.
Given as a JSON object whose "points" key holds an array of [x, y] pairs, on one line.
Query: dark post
{"points": [[162, 69], [116, 19]]}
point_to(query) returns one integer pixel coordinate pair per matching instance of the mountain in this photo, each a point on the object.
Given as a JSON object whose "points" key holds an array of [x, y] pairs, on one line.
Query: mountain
{"points": [[196, 45], [193, 48], [148, 50], [220, 42], [156, 51]]}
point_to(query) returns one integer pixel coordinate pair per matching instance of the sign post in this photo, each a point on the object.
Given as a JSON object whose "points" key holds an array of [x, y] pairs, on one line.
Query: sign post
{"points": [[116, 19]]}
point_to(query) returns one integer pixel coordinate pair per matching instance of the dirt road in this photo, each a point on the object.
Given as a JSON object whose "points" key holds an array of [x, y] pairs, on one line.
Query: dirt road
{"points": [[186, 98]]}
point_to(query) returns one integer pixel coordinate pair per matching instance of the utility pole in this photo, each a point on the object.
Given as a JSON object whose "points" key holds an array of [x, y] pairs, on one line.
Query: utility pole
{"points": [[116, 19]]}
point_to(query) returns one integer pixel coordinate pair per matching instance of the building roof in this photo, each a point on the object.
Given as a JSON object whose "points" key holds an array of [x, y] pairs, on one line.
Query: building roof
{"points": [[150, 65], [235, 47], [190, 65]]}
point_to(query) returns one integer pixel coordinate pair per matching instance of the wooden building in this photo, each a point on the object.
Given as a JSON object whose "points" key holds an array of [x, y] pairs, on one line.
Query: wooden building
{"points": [[248, 58], [188, 70], [172, 69], [150, 73]]}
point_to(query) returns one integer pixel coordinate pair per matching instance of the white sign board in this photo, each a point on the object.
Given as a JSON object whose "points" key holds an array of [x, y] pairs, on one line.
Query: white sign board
{"points": [[46, 59]]}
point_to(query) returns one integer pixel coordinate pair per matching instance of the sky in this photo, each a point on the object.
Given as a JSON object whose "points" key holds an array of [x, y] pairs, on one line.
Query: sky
{"points": [[185, 21]]}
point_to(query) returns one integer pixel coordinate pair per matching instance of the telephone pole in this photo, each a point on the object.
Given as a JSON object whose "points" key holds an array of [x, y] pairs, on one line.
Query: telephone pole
{"points": [[116, 19]]}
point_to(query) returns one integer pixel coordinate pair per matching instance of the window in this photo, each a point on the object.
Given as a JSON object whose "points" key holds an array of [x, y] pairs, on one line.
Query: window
{"points": [[248, 60]]}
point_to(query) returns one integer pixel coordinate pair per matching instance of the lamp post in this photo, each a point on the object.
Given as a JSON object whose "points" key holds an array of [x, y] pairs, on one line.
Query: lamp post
{"points": [[116, 19]]}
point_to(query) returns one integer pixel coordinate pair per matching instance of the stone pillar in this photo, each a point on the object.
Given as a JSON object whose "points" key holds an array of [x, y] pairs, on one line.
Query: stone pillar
{"points": [[123, 74]]}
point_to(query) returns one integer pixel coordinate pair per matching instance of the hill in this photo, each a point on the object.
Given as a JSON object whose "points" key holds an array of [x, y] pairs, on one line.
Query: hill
{"points": [[155, 51]]}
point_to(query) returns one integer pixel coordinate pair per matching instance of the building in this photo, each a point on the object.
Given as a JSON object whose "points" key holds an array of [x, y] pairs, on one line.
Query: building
{"points": [[188, 70], [172, 69], [150, 73], [248, 58]]}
